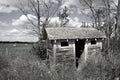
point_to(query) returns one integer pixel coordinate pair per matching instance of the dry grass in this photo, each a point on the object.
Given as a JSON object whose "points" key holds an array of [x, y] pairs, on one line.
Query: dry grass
{"points": [[19, 63]]}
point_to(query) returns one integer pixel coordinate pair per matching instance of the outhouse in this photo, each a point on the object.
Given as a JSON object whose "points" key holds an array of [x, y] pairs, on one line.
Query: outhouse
{"points": [[69, 45]]}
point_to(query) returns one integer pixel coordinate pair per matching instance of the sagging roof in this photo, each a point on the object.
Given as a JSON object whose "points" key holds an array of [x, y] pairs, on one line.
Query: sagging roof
{"points": [[73, 33]]}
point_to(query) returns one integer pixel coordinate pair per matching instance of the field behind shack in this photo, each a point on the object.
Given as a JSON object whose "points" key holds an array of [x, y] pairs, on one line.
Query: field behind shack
{"points": [[14, 51], [17, 62]]}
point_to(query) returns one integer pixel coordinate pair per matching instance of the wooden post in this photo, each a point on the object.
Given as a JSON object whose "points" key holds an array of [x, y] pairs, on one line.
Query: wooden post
{"points": [[86, 49], [74, 52], [67, 40], [6, 51], [77, 40], [54, 52]]}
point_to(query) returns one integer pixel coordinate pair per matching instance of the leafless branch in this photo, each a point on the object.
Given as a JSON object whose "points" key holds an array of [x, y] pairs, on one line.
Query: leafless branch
{"points": [[41, 11]]}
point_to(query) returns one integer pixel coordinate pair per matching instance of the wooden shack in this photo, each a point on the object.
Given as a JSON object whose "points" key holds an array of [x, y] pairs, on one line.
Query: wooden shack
{"points": [[69, 45]]}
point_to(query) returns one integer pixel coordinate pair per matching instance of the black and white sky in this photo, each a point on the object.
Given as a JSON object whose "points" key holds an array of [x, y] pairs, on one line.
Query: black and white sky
{"points": [[12, 20]]}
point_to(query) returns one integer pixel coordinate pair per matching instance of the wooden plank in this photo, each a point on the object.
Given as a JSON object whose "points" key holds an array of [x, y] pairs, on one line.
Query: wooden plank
{"points": [[49, 50], [64, 49]]}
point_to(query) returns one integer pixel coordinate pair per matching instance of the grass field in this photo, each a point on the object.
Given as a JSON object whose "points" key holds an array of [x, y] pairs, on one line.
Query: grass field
{"points": [[17, 62], [13, 52]]}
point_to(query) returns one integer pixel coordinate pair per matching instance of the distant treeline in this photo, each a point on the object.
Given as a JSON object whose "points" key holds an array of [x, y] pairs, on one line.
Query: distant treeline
{"points": [[18, 42]]}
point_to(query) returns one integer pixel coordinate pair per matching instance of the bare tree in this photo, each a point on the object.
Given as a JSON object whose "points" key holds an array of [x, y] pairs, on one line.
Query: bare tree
{"points": [[108, 21], [101, 15], [118, 20], [63, 16], [43, 10], [96, 13]]}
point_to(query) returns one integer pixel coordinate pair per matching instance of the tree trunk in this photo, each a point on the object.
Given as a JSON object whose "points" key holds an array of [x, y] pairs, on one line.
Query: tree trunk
{"points": [[108, 24], [118, 20]]}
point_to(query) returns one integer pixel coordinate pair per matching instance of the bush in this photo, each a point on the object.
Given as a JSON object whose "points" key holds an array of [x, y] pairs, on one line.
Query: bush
{"points": [[40, 50]]}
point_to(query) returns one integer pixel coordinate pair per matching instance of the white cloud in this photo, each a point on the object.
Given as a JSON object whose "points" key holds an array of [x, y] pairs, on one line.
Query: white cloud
{"points": [[76, 19], [23, 20], [13, 31], [53, 22], [73, 22], [16, 35], [67, 4], [70, 2]]}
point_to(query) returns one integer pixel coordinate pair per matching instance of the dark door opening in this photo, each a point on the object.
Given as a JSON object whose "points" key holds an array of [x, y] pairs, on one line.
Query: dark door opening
{"points": [[79, 48]]}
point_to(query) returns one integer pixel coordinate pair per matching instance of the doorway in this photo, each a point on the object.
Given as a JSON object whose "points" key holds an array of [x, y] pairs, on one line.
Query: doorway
{"points": [[79, 48]]}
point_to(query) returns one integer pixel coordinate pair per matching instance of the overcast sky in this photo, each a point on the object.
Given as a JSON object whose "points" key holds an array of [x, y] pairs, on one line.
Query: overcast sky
{"points": [[12, 20]]}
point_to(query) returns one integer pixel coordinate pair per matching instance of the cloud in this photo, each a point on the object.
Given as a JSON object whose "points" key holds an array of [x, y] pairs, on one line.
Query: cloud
{"points": [[54, 21], [13, 2], [85, 11], [68, 3], [23, 20], [71, 4], [14, 31], [8, 6], [19, 38], [73, 22], [4, 9], [16, 35], [19, 22], [3, 24]]}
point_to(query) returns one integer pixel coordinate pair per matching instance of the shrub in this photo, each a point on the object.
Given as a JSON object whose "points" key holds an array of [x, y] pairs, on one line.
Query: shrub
{"points": [[40, 50]]}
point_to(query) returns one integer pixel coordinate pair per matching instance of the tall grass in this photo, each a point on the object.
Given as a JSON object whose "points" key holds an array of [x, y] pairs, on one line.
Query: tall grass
{"points": [[20, 63]]}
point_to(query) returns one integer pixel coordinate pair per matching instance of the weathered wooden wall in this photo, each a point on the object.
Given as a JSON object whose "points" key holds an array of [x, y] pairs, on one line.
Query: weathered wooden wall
{"points": [[89, 51], [92, 49], [50, 52], [64, 55]]}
